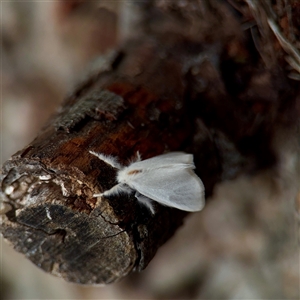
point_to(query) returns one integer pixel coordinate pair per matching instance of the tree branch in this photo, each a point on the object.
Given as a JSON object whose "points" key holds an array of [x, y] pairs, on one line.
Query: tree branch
{"points": [[159, 92]]}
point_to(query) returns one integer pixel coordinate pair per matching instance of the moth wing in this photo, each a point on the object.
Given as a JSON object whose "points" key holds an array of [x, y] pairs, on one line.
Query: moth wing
{"points": [[179, 157], [174, 187], [168, 159]]}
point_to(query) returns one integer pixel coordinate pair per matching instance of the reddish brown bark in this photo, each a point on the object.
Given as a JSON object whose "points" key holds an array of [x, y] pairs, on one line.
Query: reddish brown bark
{"points": [[158, 93]]}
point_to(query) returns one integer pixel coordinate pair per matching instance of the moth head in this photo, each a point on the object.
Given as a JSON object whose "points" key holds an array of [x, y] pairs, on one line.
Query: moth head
{"points": [[127, 175]]}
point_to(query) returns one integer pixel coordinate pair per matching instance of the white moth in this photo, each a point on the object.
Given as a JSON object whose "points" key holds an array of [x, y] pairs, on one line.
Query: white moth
{"points": [[168, 179]]}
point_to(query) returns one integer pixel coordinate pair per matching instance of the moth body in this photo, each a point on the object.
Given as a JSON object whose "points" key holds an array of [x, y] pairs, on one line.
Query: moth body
{"points": [[168, 179]]}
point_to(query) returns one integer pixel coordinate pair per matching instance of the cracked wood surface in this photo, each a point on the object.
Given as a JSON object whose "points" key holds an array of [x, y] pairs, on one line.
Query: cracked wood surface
{"points": [[51, 215], [213, 98]]}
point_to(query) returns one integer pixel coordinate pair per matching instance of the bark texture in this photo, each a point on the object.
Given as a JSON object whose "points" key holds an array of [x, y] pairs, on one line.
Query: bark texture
{"points": [[186, 88], [54, 218]]}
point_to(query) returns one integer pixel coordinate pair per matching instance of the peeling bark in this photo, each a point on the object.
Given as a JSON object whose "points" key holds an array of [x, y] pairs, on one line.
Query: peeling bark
{"points": [[159, 93], [54, 219]]}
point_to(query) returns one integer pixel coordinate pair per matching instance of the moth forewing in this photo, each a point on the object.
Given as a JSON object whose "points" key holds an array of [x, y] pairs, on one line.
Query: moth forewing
{"points": [[181, 189], [168, 159], [168, 179]]}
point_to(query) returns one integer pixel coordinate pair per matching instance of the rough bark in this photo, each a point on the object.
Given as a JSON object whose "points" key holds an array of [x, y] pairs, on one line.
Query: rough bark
{"points": [[54, 218], [158, 93]]}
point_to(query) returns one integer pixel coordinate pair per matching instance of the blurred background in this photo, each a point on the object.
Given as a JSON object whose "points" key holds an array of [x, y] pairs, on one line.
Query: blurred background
{"points": [[243, 245]]}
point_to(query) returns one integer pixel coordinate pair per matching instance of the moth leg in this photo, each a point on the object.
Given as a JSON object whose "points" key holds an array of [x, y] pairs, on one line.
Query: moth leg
{"points": [[116, 190], [138, 156], [110, 160], [145, 201]]}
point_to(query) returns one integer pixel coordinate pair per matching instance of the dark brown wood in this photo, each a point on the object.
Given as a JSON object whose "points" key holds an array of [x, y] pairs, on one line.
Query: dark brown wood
{"points": [[54, 219], [160, 92]]}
